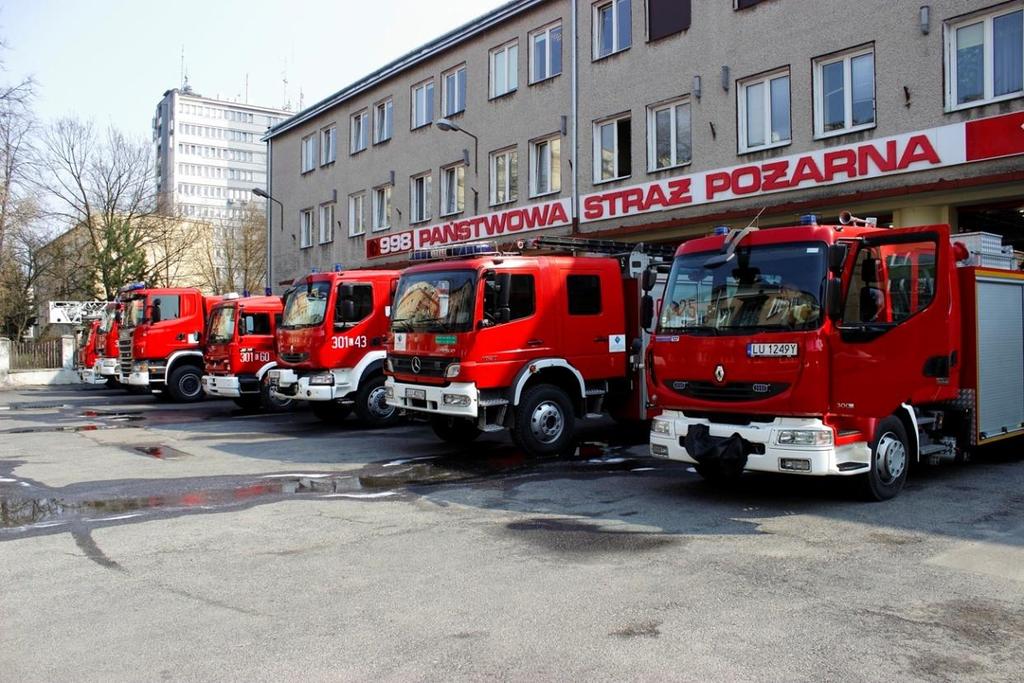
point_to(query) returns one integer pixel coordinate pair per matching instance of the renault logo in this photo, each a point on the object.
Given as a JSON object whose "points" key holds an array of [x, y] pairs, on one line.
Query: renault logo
{"points": [[416, 364], [719, 373]]}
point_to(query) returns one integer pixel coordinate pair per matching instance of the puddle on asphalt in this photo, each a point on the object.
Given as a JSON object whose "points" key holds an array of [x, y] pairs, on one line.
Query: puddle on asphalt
{"points": [[115, 415], [159, 451], [35, 406], [66, 428]]}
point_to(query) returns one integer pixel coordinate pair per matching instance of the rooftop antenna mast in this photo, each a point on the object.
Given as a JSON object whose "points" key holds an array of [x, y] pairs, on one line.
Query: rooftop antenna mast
{"points": [[181, 77], [247, 87]]}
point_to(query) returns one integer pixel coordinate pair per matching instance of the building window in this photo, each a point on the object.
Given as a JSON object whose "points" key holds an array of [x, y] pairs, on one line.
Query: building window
{"points": [[546, 53], [584, 294], [419, 198], [985, 58], [764, 112], [382, 207], [453, 189], [613, 149], [504, 176], [308, 153], [360, 122], [326, 223], [423, 104], [504, 69], [668, 135], [356, 215], [613, 27], [545, 167], [306, 228], [667, 17], [844, 93], [328, 145], [453, 91], [382, 121]]}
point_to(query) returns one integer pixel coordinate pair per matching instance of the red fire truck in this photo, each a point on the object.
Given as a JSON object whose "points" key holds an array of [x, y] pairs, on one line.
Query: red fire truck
{"points": [[843, 349], [87, 352], [240, 351], [529, 342], [104, 365], [161, 340], [330, 344]]}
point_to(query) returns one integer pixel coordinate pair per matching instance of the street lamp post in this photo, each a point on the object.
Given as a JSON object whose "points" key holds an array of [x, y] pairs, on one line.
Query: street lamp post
{"points": [[260, 192], [448, 125]]}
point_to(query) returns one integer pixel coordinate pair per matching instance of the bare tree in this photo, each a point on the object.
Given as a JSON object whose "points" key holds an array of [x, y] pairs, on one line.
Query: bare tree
{"points": [[238, 260], [16, 158]]}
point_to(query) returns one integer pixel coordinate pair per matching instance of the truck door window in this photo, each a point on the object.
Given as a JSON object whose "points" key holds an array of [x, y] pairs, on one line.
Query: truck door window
{"points": [[256, 323], [166, 307], [890, 283], [584, 294], [362, 297], [522, 301]]}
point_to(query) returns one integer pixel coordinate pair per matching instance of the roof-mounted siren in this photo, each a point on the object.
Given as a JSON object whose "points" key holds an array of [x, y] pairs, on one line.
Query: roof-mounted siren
{"points": [[847, 218], [231, 296], [133, 287]]}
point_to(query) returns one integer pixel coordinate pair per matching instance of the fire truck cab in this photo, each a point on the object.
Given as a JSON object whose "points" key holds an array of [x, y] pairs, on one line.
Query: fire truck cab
{"points": [[87, 355], [845, 350], [240, 351], [330, 345], [161, 340], [485, 341], [105, 359]]}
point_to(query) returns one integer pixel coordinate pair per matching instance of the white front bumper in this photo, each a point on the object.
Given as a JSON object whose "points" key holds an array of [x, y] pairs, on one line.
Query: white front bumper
{"points": [[90, 376], [345, 384], [434, 398], [225, 386], [824, 460], [138, 379], [107, 367]]}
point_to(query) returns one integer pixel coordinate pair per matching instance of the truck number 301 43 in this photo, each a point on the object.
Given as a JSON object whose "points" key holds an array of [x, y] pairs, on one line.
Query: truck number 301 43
{"points": [[349, 342]]}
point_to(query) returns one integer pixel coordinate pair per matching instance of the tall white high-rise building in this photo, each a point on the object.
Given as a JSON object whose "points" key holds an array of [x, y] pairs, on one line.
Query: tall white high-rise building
{"points": [[209, 154]]}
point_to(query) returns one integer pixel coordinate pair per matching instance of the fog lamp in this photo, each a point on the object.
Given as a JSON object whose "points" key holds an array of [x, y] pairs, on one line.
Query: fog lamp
{"points": [[389, 391], [458, 400], [804, 437], [321, 380], [142, 366], [659, 450]]}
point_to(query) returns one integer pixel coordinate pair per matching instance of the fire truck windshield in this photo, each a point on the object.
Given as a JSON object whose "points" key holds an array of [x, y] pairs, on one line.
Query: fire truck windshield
{"points": [[134, 311], [222, 325], [106, 319], [766, 288], [435, 301], [305, 305]]}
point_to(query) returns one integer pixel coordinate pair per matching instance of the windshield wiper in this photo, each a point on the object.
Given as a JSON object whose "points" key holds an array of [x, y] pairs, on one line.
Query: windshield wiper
{"points": [[411, 323], [697, 329]]}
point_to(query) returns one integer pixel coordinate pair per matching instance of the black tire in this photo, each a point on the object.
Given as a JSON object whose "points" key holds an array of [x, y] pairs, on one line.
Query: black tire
{"points": [[112, 383], [185, 385], [456, 430], [545, 422], [249, 403], [270, 403], [330, 412], [371, 407], [890, 461]]}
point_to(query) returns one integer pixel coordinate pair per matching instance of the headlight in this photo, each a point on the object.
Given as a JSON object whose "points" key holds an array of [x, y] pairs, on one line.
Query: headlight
{"points": [[659, 426], [804, 437], [141, 367], [453, 370], [388, 365], [322, 380], [389, 392], [456, 400]]}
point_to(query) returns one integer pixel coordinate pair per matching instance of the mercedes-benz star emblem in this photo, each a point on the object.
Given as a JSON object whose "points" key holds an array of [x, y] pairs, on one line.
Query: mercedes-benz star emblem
{"points": [[416, 364], [719, 373]]}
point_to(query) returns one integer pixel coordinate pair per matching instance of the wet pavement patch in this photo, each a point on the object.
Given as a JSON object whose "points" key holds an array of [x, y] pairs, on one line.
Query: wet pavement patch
{"points": [[576, 537], [62, 428], [159, 451], [641, 629]]}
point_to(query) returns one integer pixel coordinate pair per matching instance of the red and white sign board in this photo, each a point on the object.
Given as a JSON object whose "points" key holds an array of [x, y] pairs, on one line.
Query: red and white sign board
{"points": [[951, 145], [498, 225]]}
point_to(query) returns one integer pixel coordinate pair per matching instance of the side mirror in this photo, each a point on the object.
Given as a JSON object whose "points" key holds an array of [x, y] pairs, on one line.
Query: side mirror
{"points": [[504, 314], [837, 257], [833, 299], [504, 284], [647, 312], [347, 310], [278, 317], [650, 279]]}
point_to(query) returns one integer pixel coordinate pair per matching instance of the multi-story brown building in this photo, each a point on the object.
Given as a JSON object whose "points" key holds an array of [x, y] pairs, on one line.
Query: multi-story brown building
{"points": [[656, 120]]}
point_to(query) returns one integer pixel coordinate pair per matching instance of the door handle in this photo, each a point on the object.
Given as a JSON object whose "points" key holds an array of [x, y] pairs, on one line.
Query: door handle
{"points": [[181, 336], [535, 342], [600, 339]]}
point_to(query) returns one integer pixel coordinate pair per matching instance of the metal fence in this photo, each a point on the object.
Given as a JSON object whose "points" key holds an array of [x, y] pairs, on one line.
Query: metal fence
{"points": [[36, 355]]}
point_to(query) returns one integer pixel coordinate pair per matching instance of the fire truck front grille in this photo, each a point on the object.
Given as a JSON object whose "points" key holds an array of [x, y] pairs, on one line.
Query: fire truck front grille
{"points": [[124, 348], [732, 391], [428, 366], [294, 357]]}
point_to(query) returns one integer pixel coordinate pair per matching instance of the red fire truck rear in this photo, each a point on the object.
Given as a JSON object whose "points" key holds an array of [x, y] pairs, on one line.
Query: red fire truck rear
{"points": [[843, 349], [105, 363], [161, 340], [240, 351], [330, 344], [529, 342]]}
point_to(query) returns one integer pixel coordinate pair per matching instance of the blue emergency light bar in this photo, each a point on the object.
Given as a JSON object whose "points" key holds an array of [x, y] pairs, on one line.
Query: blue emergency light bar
{"points": [[721, 230], [135, 286], [314, 271], [809, 219], [338, 268], [455, 251]]}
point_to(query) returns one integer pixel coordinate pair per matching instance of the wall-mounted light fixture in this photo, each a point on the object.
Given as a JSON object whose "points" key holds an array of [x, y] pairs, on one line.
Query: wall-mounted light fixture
{"points": [[696, 87], [725, 78], [925, 18]]}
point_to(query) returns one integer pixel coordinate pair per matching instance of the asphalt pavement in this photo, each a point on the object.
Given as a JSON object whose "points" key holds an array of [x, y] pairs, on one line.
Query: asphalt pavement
{"points": [[141, 540]]}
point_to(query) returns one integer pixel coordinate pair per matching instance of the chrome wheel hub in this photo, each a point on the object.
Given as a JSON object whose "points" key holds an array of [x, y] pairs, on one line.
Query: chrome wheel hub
{"points": [[190, 385], [378, 405], [890, 458], [547, 422]]}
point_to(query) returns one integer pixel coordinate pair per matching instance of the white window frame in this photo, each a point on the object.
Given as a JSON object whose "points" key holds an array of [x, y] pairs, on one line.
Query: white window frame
{"points": [[357, 214], [428, 102], [511, 75], [328, 145], [652, 134], [326, 223], [420, 213], [950, 28], [546, 32], [741, 110], [617, 45], [306, 226], [308, 153], [819, 92], [597, 149], [460, 106], [511, 192], [359, 136], [553, 168], [387, 193], [386, 109], [459, 171]]}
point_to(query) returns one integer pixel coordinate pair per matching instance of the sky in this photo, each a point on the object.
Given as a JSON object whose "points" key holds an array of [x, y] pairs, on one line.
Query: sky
{"points": [[110, 61]]}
